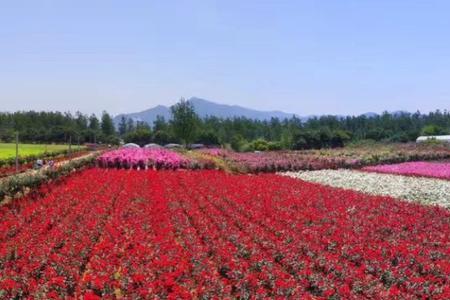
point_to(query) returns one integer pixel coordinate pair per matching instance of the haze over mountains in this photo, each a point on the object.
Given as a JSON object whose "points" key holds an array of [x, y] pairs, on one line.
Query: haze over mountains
{"points": [[206, 108]]}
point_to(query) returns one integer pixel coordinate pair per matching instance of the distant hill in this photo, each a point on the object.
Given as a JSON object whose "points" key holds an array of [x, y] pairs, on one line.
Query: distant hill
{"points": [[205, 108]]}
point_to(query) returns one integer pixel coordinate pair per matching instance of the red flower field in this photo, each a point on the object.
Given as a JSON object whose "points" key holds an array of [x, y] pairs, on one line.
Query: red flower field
{"points": [[208, 234]]}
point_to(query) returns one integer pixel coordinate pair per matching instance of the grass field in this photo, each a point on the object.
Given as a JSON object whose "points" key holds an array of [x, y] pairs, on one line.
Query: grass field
{"points": [[8, 150]]}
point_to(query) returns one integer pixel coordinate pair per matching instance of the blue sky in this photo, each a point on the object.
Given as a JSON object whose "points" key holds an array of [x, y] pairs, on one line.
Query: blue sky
{"points": [[306, 57]]}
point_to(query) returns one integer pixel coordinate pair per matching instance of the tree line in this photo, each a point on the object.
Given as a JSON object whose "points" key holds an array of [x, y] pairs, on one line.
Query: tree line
{"points": [[242, 134], [57, 127]]}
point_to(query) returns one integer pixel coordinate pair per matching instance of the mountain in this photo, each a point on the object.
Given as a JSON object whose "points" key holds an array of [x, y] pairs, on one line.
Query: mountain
{"points": [[205, 108], [147, 116]]}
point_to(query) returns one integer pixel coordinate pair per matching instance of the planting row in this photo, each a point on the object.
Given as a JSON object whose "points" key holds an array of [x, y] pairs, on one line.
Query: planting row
{"points": [[372, 154], [270, 161], [160, 158], [352, 157], [208, 234], [425, 169], [7, 153], [17, 185], [8, 170], [422, 190]]}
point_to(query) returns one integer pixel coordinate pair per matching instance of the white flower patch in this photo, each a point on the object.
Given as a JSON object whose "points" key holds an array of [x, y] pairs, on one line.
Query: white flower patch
{"points": [[423, 190]]}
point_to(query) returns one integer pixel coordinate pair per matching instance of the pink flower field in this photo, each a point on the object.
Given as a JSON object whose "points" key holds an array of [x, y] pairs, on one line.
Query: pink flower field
{"points": [[426, 169], [143, 158]]}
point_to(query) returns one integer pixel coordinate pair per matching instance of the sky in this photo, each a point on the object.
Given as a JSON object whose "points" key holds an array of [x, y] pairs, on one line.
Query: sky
{"points": [[303, 57]]}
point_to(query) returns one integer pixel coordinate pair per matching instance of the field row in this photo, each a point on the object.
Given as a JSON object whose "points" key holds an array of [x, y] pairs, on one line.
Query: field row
{"points": [[424, 169], [428, 191], [8, 150], [206, 234], [270, 161]]}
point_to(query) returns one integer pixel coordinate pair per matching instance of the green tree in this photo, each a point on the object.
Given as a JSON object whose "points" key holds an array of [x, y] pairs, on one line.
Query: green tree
{"points": [[94, 123], [160, 123], [162, 137], [123, 126], [130, 125], [140, 136], [433, 129], [208, 137], [107, 125], [237, 142], [184, 122]]}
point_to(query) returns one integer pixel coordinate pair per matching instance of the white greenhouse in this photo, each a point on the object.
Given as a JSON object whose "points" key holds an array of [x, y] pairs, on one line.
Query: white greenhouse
{"points": [[172, 145], [152, 146], [441, 138], [131, 145]]}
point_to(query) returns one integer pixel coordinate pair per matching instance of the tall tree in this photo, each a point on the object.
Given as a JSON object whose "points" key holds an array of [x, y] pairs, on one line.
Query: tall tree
{"points": [[123, 126], [130, 125], [94, 123], [160, 123], [184, 121], [107, 124]]}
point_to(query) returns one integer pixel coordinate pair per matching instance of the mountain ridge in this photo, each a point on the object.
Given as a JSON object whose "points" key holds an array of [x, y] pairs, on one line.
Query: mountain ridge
{"points": [[206, 108]]}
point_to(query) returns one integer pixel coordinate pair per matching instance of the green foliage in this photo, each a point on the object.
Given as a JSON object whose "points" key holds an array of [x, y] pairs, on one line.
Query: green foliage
{"points": [[111, 140], [107, 125], [207, 137], [140, 136], [14, 186], [237, 142], [186, 127], [162, 137], [185, 121], [433, 129], [160, 124], [123, 126], [320, 138], [262, 145], [30, 152]]}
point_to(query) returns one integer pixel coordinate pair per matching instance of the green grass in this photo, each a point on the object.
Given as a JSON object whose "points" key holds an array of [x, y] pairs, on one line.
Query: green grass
{"points": [[8, 150]]}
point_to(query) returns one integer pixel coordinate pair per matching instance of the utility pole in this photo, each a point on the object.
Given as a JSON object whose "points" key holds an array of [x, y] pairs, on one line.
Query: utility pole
{"points": [[17, 152]]}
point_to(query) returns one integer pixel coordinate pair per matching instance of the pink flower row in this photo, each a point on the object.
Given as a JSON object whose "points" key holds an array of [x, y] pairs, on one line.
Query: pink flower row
{"points": [[426, 169], [143, 158]]}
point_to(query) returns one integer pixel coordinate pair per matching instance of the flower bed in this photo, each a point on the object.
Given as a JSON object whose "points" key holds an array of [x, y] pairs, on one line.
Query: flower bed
{"points": [[284, 161], [373, 154], [16, 185], [351, 157], [9, 160], [143, 158], [208, 234], [426, 169], [422, 190], [11, 169]]}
